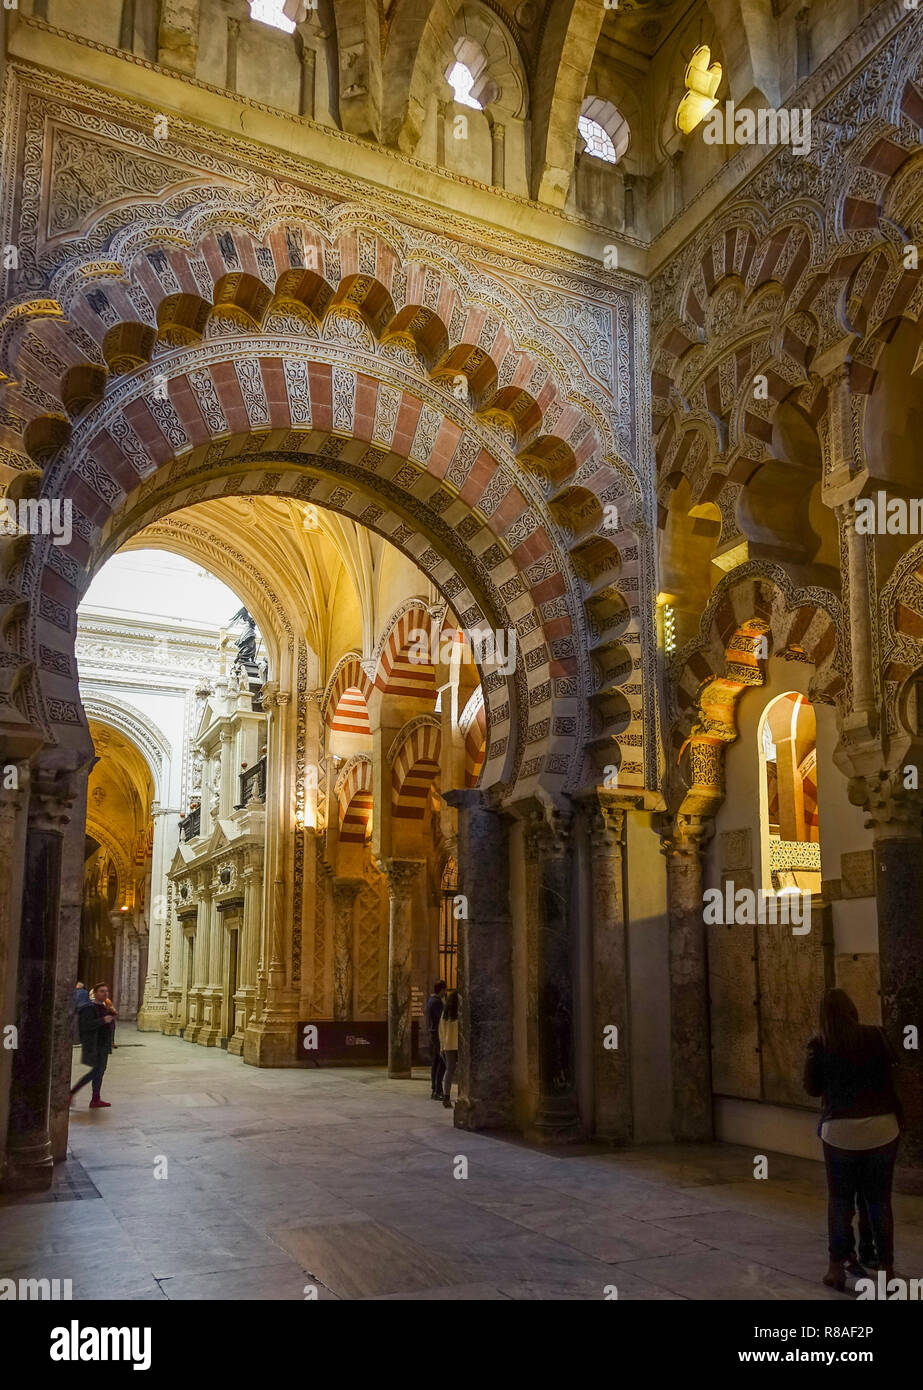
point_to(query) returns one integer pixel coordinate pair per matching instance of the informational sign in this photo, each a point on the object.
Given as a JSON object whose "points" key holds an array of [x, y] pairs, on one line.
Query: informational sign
{"points": [[328, 1044]]}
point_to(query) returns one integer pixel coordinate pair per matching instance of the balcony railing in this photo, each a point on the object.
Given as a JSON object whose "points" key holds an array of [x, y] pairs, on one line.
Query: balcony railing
{"points": [[252, 784], [190, 826]]}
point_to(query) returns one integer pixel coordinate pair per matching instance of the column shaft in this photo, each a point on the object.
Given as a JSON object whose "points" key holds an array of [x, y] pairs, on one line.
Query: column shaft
{"points": [[345, 891], [485, 965], [552, 970], [402, 876], [29, 1148], [612, 1101], [690, 1031], [13, 825]]}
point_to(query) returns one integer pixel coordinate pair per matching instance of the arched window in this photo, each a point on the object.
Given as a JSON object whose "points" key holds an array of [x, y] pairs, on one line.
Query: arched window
{"points": [[604, 129], [788, 795], [461, 80], [466, 74], [271, 12]]}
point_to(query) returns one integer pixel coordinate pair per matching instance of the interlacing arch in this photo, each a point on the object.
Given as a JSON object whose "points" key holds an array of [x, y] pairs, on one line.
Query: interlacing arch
{"points": [[753, 614]]}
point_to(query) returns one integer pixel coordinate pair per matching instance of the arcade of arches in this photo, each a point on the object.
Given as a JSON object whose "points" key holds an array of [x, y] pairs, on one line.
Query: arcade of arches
{"points": [[539, 363]]}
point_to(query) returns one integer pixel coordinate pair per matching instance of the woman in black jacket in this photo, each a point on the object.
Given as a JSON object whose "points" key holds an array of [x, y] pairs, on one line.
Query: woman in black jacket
{"points": [[849, 1065]]}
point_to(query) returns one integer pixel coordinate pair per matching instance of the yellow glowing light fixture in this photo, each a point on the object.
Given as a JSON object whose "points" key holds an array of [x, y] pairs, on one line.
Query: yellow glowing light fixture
{"points": [[702, 78]]}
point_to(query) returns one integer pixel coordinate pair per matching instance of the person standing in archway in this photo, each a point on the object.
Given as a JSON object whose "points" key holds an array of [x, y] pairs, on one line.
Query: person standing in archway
{"points": [[434, 1006], [448, 1041], [95, 1022], [849, 1065]]}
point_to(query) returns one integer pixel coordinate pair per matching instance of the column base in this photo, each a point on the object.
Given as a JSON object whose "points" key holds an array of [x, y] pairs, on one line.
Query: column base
{"points": [[152, 1016], [236, 1045], [483, 1114], [269, 1040], [614, 1136], [556, 1122], [29, 1168]]}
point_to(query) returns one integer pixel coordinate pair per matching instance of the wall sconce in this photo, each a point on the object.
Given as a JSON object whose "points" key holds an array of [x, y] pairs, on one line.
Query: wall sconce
{"points": [[702, 79]]}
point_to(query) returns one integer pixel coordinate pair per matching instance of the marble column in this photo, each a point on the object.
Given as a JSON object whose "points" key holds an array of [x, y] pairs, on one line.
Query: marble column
{"points": [[345, 892], [306, 103], [13, 825], [485, 975], [683, 840], [270, 1037], [29, 1148], [895, 819], [676, 162], [441, 113], [612, 1102], [861, 644], [803, 44], [233, 39], [402, 878], [177, 39], [153, 1012], [551, 975], [249, 948], [498, 154], [127, 26], [70, 911], [629, 203]]}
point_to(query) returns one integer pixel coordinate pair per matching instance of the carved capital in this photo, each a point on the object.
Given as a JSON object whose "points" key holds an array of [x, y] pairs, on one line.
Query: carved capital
{"points": [[345, 892], [51, 799], [274, 698], [607, 829], [548, 832], [402, 875], [895, 811], [11, 804], [606, 821], [684, 835]]}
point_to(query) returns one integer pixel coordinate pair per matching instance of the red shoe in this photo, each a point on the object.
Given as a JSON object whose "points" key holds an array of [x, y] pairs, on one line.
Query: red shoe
{"points": [[99, 1105]]}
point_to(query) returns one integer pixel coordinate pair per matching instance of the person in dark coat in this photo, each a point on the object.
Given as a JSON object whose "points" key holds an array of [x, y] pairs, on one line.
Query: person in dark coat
{"points": [[95, 1022], [850, 1065], [434, 1006]]}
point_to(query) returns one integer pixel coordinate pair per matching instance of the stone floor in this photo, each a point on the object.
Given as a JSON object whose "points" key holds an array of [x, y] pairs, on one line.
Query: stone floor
{"points": [[344, 1180]]}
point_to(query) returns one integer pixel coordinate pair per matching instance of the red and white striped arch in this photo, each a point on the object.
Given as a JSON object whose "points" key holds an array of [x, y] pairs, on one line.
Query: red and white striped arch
{"points": [[473, 724], [355, 797], [400, 671], [415, 768], [346, 699]]}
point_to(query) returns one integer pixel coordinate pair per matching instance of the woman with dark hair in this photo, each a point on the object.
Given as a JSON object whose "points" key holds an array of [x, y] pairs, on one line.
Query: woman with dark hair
{"points": [[849, 1065], [448, 1041]]}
